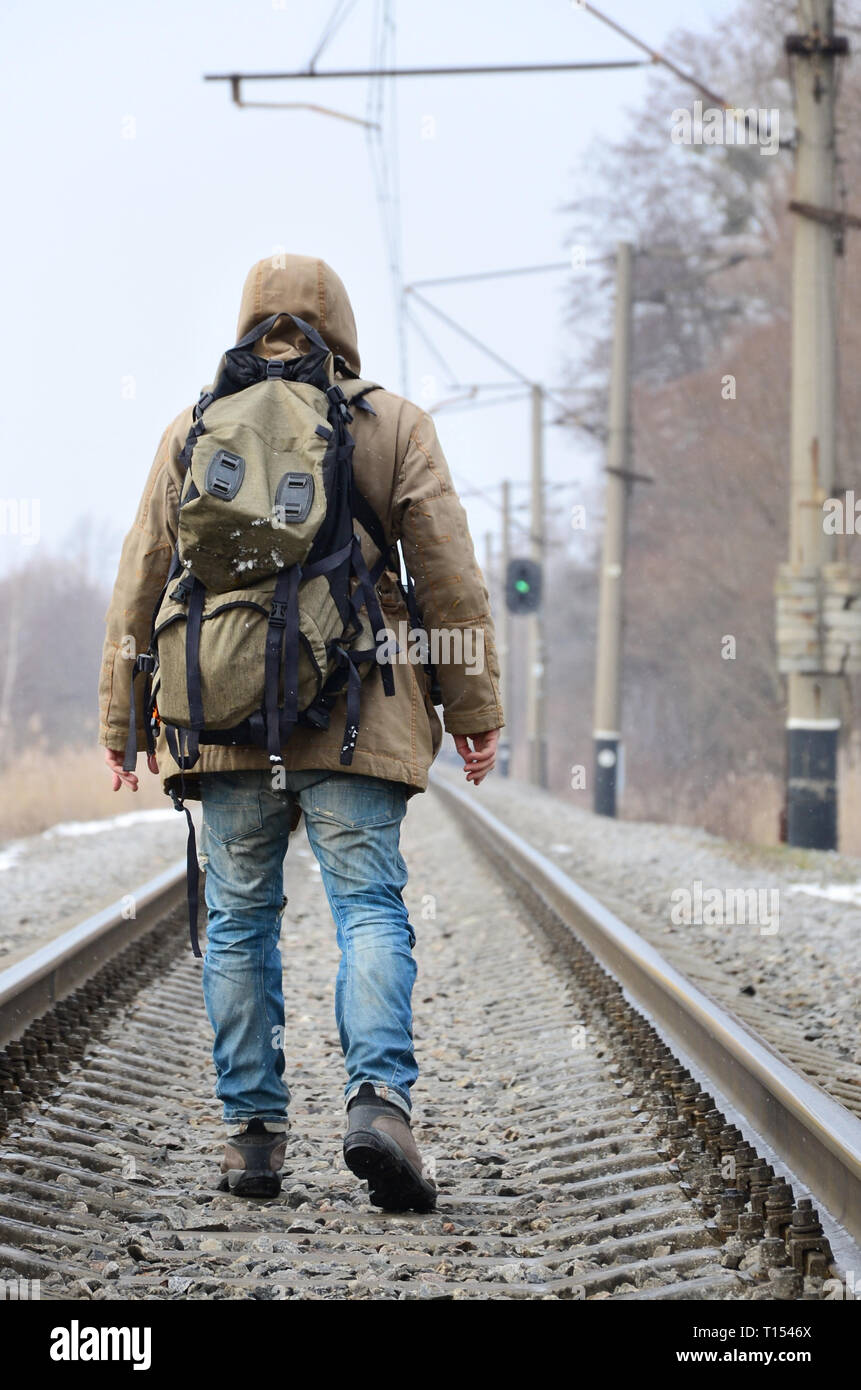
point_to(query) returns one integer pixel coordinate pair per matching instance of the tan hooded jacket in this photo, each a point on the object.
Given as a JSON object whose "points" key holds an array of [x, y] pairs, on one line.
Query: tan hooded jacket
{"points": [[401, 469]]}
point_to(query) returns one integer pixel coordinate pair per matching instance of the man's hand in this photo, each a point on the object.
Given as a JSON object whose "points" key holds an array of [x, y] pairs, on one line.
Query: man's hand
{"points": [[481, 757], [115, 762]]}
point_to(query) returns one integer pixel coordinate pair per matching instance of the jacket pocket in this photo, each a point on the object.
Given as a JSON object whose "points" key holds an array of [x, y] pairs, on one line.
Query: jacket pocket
{"points": [[232, 657]]}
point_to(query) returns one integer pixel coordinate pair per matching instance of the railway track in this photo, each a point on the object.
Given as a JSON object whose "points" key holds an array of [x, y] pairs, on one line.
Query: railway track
{"points": [[579, 1149]]}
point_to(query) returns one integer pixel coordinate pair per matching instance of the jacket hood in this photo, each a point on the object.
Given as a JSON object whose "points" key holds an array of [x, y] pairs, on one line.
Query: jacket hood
{"points": [[305, 286]]}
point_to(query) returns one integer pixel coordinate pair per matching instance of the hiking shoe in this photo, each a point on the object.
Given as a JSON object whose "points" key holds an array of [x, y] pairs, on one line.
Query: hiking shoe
{"points": [[380, 1147], [253, 1160]]}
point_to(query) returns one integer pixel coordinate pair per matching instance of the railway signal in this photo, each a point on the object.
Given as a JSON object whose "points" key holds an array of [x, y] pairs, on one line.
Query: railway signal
{"points": [[523, 586]]}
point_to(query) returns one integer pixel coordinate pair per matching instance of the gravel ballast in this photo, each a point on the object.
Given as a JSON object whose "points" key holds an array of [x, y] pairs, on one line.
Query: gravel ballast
{"points": [[798, 985]]}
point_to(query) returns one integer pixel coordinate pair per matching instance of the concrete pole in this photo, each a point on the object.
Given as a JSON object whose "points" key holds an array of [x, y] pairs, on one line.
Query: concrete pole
{"points": [[488, 560], [536, 717], [505, 633], [607, 730], [813, 712]]}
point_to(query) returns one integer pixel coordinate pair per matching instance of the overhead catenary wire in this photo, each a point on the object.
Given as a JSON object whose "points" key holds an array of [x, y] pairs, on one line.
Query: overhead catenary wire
{"points": [[382, 140], [469, 399], [472, 70], [502, 274], [336, 19], [689, 78], [318, 110], [525, 529], [496, 357], [431, 346], [656, 55], [469, 402], [339, 14]]}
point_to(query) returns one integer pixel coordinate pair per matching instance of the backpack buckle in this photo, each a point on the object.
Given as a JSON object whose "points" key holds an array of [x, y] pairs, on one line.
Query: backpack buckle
{"points": [[205, 400], [339, 400], [145, 662], [294, 498], [278, 613], [183, 589], [225, 473], [275, 368]]}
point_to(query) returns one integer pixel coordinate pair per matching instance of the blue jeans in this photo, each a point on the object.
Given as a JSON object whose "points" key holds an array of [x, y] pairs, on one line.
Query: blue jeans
{"points": [[353, 825]]}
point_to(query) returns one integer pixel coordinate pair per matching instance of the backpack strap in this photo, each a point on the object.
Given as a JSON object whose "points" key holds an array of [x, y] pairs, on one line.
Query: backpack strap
{"points": [[349, 662], [368, 519], [283, 623], [364, 513], [142, 664], [183, 747], [408, 591], [356, 390], [261, 329], [193, 625], [375, 615]]}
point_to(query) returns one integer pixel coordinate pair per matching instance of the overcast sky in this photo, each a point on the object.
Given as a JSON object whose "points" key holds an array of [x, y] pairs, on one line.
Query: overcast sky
{"points": [[137, 197]]}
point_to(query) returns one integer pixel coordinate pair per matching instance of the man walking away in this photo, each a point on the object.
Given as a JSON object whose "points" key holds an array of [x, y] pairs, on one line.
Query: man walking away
{"points": [[350, 776]]}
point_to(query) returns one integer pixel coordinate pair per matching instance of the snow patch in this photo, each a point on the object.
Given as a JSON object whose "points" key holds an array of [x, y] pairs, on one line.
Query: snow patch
{"points": [[835, 892], [9, 856], [95, 827]]}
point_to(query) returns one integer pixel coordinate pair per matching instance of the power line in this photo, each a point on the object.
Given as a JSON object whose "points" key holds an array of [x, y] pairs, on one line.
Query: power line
{"points": [[336, 19], [470, 403], [495, 356], [240, 101], [473, 70], [655, 54], [382, 140], [525, 530], [658, 57], [491, 274], [429, 343], [470, 337], [523, 482]]}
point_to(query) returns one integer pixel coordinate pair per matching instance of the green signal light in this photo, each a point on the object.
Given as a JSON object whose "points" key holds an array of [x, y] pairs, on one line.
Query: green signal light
{"points": [[522, 586]]}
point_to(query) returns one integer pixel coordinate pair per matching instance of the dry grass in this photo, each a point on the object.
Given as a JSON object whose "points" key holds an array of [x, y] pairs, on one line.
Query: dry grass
{"points": [[43, 788]]}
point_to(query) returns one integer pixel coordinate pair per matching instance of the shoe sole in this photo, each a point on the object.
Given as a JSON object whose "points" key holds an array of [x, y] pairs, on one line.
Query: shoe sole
{"points": [[241, 1183], [393, 1183]]}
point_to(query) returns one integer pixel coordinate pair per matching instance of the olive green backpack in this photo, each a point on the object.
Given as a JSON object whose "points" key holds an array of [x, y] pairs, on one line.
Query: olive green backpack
{"points": [[269, 611]]}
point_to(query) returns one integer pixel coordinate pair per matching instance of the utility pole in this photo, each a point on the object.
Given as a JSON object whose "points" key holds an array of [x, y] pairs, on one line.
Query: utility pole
{"points": [[607, 727], [505, 633], [488, 560], [536, 714], [813, 692]]}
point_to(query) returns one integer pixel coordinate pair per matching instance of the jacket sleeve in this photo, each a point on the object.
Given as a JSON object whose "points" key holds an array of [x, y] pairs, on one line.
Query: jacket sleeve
{"points": [[430, 522], [143, 569]]}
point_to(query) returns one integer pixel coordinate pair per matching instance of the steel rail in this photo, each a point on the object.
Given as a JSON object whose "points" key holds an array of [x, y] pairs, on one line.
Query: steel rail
{"points": [[814, 1135], [32, 986]]}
